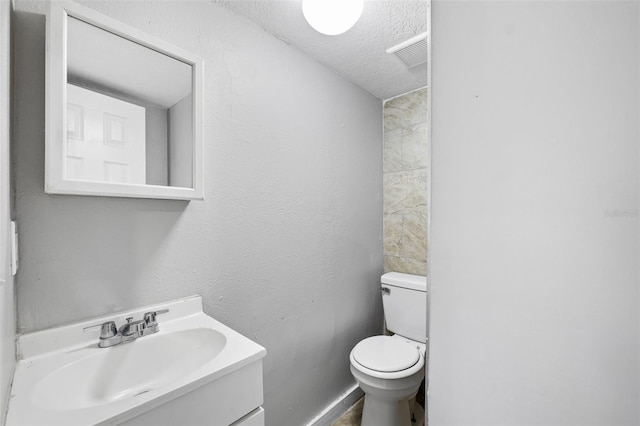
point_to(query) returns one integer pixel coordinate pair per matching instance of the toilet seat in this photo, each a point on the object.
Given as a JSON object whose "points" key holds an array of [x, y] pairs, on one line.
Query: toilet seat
{"points": [[385, 354], [364, 358]]}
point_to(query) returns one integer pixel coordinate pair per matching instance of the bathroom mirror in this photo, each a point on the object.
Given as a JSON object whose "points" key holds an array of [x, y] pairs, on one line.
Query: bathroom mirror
{"points": [[123, 110]]}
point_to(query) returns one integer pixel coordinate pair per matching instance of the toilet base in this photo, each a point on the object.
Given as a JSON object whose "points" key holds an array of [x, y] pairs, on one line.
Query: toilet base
{"points": [[417, 412], [401, 413], [377, 412], [417, 415]]}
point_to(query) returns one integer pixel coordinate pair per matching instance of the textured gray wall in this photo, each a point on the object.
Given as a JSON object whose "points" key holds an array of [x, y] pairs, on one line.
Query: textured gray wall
{"points": [[534, 213], [287, 246]]}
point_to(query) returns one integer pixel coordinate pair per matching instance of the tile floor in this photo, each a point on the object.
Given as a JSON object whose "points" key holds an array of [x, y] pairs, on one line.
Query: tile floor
{"points": [[352, 417]]}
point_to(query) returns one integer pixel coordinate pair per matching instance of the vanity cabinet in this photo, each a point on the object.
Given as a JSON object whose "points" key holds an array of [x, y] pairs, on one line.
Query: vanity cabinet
{"points": [[235, 399]]}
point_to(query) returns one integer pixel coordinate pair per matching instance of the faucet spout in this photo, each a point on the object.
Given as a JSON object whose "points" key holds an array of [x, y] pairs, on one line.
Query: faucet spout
{"points": [[132, 328]]}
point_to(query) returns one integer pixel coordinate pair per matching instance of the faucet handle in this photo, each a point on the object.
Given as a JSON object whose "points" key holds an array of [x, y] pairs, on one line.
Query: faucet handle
{"points": [[150, 317], [108, 330]]}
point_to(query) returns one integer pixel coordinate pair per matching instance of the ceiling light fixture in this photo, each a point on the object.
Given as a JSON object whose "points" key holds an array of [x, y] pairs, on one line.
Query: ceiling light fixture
{"points": [[332, 17]]}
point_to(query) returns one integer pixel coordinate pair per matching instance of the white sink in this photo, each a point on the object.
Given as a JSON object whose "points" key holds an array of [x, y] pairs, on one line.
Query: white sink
{"points": [[66, 379], [127, 370]]}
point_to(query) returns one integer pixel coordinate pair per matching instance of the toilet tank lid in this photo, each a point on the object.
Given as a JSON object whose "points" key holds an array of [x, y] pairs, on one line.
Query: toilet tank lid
{"points": [[398, 279]]}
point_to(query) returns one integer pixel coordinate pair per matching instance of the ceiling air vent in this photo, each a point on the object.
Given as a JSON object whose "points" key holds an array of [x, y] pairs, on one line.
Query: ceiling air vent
{"points": [[412, 52]]}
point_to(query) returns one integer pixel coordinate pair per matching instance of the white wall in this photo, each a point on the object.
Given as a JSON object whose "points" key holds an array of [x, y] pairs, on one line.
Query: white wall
{"points": [[7, 311], [157, 146], [180, 145], [287, 246], [534, 225]]}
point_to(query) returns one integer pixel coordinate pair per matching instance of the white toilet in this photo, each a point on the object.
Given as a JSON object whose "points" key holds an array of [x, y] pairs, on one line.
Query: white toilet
{"points": [[390, 369]]}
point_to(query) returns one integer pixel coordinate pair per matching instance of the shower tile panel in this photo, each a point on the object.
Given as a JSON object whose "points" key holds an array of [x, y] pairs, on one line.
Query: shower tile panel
{"points": [[405, 183], [392, 152], [414, 148]]}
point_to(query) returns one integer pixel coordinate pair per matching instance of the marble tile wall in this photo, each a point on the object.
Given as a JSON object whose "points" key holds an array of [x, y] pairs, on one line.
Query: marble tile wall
{"points": [[405, 177]]}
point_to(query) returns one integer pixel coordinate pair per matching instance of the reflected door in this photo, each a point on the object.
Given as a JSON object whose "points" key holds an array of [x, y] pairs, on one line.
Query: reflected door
{"points": [[105, 138]]}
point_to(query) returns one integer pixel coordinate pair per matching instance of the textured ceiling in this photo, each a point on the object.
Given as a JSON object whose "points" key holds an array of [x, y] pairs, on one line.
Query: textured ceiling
{"points": [[359, 54]]}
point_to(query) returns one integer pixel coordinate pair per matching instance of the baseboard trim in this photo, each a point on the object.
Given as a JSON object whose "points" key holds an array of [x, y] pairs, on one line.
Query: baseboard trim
{"points": [[337, 407]]}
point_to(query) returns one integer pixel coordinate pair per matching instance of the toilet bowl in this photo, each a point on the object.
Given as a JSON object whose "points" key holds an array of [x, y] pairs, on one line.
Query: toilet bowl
{"points": [[390, 369]]}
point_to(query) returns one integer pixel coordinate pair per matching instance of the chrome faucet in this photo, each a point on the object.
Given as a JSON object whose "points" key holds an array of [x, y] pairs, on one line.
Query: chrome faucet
{"points": [[111, 336]]}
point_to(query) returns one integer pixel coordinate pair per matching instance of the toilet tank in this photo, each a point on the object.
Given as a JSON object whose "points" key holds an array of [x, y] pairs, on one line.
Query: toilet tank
{"points": [[404, 299]]}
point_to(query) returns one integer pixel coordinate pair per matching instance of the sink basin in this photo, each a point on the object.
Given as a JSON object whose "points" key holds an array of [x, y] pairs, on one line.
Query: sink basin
{"points": [[194, 367], [127, 370]]}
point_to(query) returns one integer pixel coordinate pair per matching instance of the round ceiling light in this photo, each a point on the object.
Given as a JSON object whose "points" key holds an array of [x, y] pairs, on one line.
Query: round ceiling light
{"points": [[332, 17]]}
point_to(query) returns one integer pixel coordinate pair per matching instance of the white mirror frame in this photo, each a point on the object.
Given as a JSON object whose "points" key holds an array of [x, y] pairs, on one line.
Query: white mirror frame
{"points": [[56, 111]]}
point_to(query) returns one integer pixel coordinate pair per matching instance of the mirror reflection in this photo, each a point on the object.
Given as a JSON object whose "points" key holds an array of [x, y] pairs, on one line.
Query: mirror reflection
{"points": [[129, 111]]}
